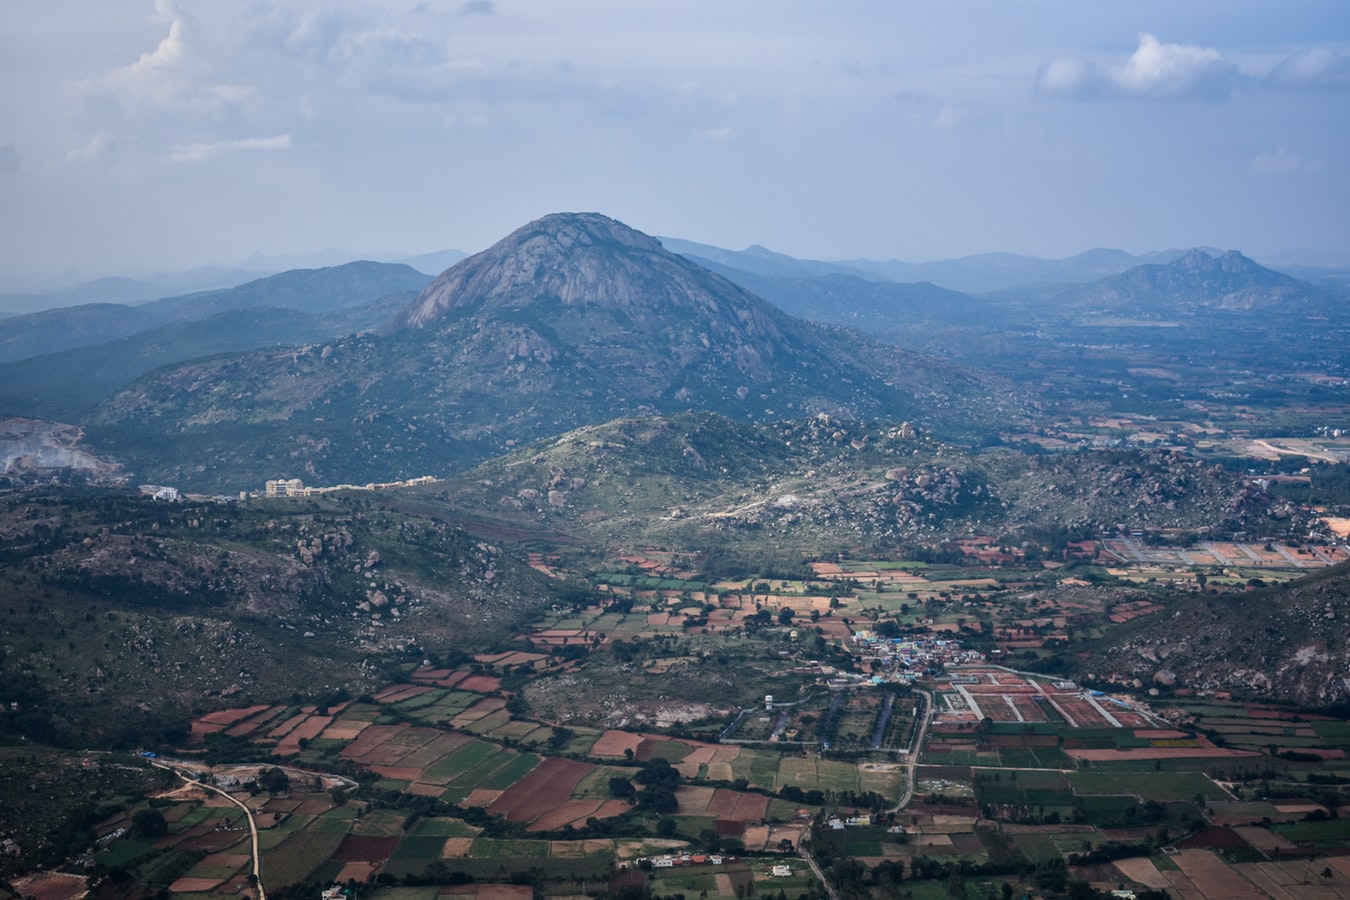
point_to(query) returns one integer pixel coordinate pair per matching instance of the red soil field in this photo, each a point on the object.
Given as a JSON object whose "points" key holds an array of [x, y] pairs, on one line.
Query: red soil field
{"points": [[1159, 753], [614, 743], [371, 738], [187, 885], [285, 727], [231, 716], [356, 869], [1214, 839], [722, 804], [1325, 754], [344, 730], [549, 785], [751, 807], [480, 684], [398, 773], [200, 729], [397, 692], [570, 811], [308, 729], [440, 677], [365, 847]]}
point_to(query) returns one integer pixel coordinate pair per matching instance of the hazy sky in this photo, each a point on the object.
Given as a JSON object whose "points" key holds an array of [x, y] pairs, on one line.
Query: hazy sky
{"points": [[139, 135]]}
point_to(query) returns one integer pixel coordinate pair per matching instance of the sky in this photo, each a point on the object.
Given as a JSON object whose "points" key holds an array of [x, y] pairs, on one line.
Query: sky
{"points": [[159, 135]]}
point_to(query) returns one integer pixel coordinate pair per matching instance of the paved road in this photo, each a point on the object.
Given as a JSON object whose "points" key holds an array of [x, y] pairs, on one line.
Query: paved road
{"points": [[248, 814]]}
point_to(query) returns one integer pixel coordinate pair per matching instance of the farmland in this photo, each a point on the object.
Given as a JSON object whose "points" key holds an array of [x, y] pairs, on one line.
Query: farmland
{"points": [[686, 719]]}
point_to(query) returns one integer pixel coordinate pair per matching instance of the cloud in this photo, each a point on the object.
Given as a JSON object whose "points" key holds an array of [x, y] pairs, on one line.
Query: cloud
{"points": [[479, 8], [171, 76], [92, 151], [200, 152], [9, 158], [1283, 162], [716, 134], [1155, 71], [1317, 67]]}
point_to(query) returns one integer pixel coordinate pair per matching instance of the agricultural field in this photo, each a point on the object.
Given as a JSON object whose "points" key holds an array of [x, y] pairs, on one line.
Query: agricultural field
{"points": [[609, 735]]}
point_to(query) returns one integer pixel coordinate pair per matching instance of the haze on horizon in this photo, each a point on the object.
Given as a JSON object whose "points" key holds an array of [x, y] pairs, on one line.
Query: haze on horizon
{"points": [[138, 136]]}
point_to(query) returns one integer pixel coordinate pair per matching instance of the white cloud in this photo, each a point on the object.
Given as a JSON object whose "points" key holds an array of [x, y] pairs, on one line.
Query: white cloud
{"points": [[1068, 77], [200, 152], [1283, 162], [1176, 71], [1316, 67], [92, 151], [172, 76], [1156, 71], [717, 134]]}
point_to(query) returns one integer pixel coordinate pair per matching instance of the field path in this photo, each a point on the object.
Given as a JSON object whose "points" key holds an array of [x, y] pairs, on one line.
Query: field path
{"points": [[248, 814]]}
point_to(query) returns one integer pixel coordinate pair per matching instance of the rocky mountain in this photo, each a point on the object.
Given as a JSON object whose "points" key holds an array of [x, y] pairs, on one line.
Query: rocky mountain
{"points": [[312, 291], [1287, 643], [1199, 282], [570, 320]]}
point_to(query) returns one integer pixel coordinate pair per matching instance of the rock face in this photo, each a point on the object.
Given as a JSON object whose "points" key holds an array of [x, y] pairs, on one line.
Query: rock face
{"points": [[584, 285], [34, 450]]}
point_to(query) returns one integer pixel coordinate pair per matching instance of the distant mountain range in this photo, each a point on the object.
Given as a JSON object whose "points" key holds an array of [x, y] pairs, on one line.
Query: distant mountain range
{"points": [[312, 291], [1198, 281], [568, 321]]}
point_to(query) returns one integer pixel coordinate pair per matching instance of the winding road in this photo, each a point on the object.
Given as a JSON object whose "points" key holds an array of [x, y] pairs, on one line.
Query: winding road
{"points": [[248, 814]]}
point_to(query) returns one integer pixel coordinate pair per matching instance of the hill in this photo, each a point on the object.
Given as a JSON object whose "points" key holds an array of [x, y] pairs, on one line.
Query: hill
{"points": [[701, 482], [311, 291], [1200, 283], [568, 321], [1286, 642], [136, 611], [65, 385]]}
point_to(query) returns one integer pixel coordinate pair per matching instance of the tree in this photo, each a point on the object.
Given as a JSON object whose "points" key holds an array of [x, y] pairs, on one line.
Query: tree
{"points": [[149, 823], [274, 781], [785, 615]]}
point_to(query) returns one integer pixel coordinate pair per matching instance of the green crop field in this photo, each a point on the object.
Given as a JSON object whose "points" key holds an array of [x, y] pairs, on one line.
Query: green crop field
{"points": [[302, 853], [1162, 786], [493, 848], [514, 770]]}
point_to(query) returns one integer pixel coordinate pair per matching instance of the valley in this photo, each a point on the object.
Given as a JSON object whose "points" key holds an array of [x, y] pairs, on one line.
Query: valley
{"points": [[592, 570]]}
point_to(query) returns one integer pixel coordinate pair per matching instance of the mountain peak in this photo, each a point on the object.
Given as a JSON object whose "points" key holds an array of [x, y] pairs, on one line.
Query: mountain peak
{"points": [[578, 259]]}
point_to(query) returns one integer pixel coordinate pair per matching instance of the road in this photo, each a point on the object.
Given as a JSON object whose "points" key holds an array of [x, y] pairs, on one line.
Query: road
{"points": [[248, 815], [915, 749]]}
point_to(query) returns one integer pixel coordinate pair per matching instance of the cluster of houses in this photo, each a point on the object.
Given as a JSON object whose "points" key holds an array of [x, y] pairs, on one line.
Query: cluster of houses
{"points": [[294, 487], [670, 861], [908, 658]]}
